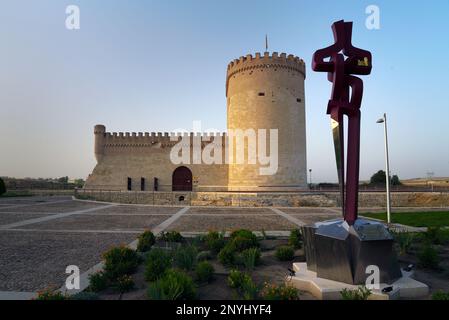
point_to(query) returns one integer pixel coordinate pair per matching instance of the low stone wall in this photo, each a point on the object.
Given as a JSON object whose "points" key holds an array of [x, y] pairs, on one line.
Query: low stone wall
{"points": [[237, 199]]}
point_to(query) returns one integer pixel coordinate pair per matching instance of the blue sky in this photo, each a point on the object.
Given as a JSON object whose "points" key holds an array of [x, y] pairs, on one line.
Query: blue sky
{"points": [[159, 65]]}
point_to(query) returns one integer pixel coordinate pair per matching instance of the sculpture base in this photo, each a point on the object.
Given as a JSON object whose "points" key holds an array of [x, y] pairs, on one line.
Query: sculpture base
{"points": [[324, 289], [348, 254]]}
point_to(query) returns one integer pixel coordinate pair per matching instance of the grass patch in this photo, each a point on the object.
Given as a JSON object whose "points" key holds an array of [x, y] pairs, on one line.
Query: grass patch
{"points": [[415, 219]]}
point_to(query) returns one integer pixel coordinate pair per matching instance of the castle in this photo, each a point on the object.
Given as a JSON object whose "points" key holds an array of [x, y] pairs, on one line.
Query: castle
{"points": [[264, 92]]}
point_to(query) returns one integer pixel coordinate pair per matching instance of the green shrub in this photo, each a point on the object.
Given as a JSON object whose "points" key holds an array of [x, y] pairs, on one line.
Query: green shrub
{"points": [[204, 271], [249, 290], [50, 294], [2, 187], [245, 234], [120, 261], [404, 240], [214, 241], [174, 285], [145, 241], [124, 284], [171, 236], [98, 281], [428, 257], [440, 295], [85, 295], [280, 292], [285, 253], [227, 255], [361, 293], [204, 255], [295, 239], [185, 257], [242, 243], [236, 279], [433, 235], [157, 262], [250, 258]]}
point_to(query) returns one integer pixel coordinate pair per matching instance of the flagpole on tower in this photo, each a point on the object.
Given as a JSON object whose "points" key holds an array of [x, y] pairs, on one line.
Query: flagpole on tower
{"points": [[266, 42]]}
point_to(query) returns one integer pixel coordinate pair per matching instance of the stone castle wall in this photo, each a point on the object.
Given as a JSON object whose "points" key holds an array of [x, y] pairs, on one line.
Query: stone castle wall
{"points": [[147, 155]]}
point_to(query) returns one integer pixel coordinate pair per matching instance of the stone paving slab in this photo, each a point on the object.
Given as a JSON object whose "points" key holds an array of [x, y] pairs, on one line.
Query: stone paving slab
{"points": [[309, 210], [33, 261], [308, 219], [149, 210], [228, 223], [58, 207], [228, 211], [7, 218], [102, 222]]}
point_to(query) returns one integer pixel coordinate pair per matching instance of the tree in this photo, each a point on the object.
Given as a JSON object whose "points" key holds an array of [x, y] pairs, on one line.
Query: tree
{"points": [[63, 180], [79, 183], [395, 181], [378, 178], [2, 187]]}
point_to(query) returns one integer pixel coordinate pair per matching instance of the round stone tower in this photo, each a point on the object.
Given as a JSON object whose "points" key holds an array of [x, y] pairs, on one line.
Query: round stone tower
{"points": [[267, 92], [99, 132]]}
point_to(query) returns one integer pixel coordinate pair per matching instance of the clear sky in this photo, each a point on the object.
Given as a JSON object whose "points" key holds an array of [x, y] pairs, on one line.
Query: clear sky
{"points": [[159, 65]]}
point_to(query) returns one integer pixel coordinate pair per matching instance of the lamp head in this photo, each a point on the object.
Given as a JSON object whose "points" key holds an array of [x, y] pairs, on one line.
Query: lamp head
{"points": [[380, 120]]}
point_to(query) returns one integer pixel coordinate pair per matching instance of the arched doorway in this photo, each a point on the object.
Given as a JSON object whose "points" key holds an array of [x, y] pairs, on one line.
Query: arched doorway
{"points": [[182, 179]]}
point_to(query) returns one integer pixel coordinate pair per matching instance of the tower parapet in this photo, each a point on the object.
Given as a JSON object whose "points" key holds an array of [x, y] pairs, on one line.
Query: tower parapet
{"points": [[260, 62]]}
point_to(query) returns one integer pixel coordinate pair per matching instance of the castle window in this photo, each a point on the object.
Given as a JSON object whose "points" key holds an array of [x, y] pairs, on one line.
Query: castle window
{"points": [[298, 100], [142, 184], [261, 94], [129, 184]]}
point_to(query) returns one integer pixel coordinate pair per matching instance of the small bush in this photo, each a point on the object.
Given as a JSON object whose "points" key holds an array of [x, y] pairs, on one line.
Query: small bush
{"points": [[249, 290], [440, 295], [242, 243], [285, 253], [433, 235], [214, 241], [174, 285], [204, 271], [204, 255], [2, 187], [85, 295], [98, 281], [250, 258], [245, 234], [124, 284], [281, 292], [157, 262], [185, 257], [171, 236], [120, 261], [428, 257], [146, 241], [227, 255], [236, 279], [50, 294], [295, 239], [404, 240], [361, 293]]}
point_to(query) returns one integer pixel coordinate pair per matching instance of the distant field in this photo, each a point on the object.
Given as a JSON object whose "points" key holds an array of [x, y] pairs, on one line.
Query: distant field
{"points": [[415, 219]]}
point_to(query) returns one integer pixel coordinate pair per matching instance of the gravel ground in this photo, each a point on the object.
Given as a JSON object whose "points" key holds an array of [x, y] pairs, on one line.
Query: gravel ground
{"points": [[103, 222], [255, 223], [33, 261], [52, 207]]}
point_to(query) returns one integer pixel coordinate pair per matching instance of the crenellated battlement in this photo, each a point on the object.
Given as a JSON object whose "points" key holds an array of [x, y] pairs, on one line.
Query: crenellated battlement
{"points": [[274, 61], [148, 139]]}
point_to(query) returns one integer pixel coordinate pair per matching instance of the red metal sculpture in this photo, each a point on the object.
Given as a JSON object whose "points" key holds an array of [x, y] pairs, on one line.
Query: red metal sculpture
{"points": [[346, 99]]}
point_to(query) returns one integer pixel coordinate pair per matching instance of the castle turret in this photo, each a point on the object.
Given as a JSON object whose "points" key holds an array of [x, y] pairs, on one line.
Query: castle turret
{"points": [[100, 136], [267, 92]]}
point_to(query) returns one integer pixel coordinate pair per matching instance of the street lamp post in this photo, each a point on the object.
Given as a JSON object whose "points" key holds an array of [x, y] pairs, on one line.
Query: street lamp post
{"points": [[387, 166], [310, 175]]}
